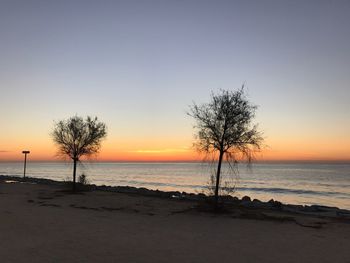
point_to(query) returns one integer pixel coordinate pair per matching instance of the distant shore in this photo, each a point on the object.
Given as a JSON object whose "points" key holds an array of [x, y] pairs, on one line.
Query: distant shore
{"points": [[44, 221]]}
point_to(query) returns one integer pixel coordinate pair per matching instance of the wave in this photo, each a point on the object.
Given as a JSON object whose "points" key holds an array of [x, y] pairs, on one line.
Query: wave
{"points": [[291, 191], [274, 190]]}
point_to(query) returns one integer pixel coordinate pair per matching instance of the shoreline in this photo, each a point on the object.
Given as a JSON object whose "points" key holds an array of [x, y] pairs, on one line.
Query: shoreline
{"points": [[289, 184], [227, 201]]}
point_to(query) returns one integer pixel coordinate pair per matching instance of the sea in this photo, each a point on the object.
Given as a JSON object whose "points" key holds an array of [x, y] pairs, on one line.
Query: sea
{"points": [[294, 183]]}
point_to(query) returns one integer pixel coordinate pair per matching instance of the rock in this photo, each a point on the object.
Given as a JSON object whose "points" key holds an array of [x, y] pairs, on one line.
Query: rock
{"points": [[293, 208], [246, 199], [321, 208], [143, 191], [235, 199], [102, 187], [254, 204], [275, 204], [227, 198]]}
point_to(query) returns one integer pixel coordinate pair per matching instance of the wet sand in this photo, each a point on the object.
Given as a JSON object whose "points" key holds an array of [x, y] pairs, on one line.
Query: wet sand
{"points": [[47, 223]]}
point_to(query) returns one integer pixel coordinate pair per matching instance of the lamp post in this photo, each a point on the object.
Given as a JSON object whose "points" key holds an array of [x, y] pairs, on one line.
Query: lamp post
{"points": [[25, 162]]}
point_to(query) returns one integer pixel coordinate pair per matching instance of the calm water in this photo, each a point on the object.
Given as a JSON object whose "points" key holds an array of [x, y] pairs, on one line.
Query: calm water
{"points": [[299, 183]]}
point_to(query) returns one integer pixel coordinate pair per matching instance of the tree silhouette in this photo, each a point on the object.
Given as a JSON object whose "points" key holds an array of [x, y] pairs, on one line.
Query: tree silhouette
{"points": [[76, 137], [224, 129]]}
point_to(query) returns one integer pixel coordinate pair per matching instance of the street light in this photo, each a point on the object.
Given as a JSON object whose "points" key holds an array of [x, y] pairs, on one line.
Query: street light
{"points": [[25, 162]]}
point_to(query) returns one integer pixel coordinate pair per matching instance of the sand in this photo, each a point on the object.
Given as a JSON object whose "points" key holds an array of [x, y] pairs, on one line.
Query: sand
{"points": [[45, 223]]}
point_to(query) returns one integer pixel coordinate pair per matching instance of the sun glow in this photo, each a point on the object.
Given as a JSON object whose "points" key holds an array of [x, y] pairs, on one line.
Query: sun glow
{"points": [[277, 150], [172, 148]]}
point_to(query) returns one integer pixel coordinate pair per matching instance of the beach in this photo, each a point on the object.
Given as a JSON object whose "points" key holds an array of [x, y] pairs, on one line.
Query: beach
{"points": [[49, 223], [296, 183], [175, 131]]}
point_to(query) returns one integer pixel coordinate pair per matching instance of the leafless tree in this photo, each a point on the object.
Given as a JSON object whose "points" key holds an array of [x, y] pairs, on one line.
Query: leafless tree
{"points": [[76, 137], [224, 129]]}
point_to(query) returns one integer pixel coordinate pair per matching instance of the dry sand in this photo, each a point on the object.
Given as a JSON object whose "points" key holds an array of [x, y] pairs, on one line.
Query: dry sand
{"points": [[44, 223]]}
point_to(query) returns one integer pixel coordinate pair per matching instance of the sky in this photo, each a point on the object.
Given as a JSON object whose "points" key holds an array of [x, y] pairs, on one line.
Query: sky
{"points": [[138, 65]]}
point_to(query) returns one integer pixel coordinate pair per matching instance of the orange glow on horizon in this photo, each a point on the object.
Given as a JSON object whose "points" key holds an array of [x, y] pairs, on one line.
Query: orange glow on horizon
{"points": [[154, 155], [179, 150]]}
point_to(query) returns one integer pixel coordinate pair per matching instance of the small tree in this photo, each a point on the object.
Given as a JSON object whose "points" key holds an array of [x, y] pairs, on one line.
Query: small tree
{"points": [[224, 129], [76, 137]]}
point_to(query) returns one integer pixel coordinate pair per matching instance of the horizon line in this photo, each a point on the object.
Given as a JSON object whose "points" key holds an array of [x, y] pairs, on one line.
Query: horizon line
{"points": [[185, 161]]}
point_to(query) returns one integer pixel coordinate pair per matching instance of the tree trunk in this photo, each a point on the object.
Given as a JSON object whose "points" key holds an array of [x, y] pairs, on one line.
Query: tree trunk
{"points": [[218, 180], [74, 172]]}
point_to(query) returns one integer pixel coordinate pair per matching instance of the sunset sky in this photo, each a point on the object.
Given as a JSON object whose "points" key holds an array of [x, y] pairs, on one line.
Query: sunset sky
{"points": [[138, 65]]}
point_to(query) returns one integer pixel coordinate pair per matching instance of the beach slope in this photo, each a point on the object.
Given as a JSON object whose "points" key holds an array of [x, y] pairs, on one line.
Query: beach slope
{"points": [[48, 223]]}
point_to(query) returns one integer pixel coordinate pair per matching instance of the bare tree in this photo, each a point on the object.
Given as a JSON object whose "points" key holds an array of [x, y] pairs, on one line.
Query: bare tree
{"points": [[224, 129], [76, 137]]}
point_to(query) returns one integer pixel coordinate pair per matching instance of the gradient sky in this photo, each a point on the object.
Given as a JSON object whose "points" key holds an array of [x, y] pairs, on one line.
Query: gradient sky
{"points": [[138, 65]]}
